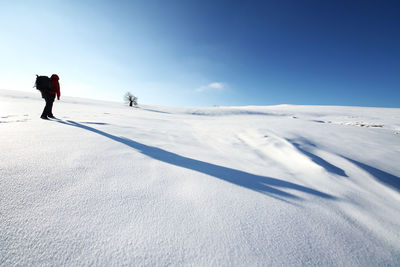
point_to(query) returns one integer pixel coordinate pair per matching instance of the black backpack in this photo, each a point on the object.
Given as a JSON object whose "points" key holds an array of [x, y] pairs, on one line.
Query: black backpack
{"points": [[43, 83]]}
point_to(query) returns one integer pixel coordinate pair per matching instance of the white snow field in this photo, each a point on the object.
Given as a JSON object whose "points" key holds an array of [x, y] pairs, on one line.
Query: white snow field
{"points": [[283, 185]]}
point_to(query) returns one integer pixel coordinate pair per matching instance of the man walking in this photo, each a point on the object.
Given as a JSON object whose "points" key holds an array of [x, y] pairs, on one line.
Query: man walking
{"points": [[49, 95]]}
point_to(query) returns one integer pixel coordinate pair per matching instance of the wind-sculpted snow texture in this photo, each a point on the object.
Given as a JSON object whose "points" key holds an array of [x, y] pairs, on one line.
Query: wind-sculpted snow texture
{"points": [[105, 184]]}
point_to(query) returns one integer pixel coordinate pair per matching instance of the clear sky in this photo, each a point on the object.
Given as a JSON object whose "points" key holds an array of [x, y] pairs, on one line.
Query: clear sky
{"points": [[203, 53]]}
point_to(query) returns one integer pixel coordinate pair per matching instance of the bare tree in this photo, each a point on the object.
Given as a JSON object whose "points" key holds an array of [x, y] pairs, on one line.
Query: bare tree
{"points": [[131, 99]]}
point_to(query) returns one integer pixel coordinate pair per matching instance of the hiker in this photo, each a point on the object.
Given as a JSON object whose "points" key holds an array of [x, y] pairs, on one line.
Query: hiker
{"points": [[49, 95]]}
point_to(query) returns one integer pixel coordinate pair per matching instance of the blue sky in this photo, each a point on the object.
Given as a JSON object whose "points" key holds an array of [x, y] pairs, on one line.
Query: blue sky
{"points": [[203, 53]]}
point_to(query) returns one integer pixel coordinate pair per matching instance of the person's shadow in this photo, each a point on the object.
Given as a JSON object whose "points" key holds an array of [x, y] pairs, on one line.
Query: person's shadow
{"points": [[265, 185]]}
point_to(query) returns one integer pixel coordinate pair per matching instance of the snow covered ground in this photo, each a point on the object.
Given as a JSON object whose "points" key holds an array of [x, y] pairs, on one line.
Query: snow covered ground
{"points": [[283, 185]]}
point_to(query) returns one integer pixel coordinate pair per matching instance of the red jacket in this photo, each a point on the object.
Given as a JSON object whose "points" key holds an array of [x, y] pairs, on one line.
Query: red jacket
{"points": [[54, 84]]}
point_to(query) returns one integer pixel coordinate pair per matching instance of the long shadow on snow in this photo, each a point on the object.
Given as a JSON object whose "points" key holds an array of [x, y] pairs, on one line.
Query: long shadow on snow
{"points": [[382, 176], [318, 160], [262, 184]]}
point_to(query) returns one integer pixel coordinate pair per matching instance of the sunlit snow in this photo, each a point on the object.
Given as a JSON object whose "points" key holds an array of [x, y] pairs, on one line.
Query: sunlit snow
{"points": [[106, 184]]}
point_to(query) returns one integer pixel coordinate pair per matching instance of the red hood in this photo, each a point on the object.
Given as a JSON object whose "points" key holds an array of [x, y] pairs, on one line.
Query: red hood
{"points": [[55, 76]]}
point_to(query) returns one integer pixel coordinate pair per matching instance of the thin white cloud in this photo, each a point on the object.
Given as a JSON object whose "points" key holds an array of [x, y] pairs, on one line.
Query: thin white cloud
{"points": [[216, 86]]}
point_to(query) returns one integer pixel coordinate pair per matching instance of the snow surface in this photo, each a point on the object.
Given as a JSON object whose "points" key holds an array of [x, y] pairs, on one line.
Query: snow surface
{"points": [[279, 185]]}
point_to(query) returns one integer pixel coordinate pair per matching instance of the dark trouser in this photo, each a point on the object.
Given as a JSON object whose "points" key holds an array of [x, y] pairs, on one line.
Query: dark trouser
{"points": [[49, 98]]}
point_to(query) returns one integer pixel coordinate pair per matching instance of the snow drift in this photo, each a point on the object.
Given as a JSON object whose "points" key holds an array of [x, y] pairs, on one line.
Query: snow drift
{"points": [[106, 184]]}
